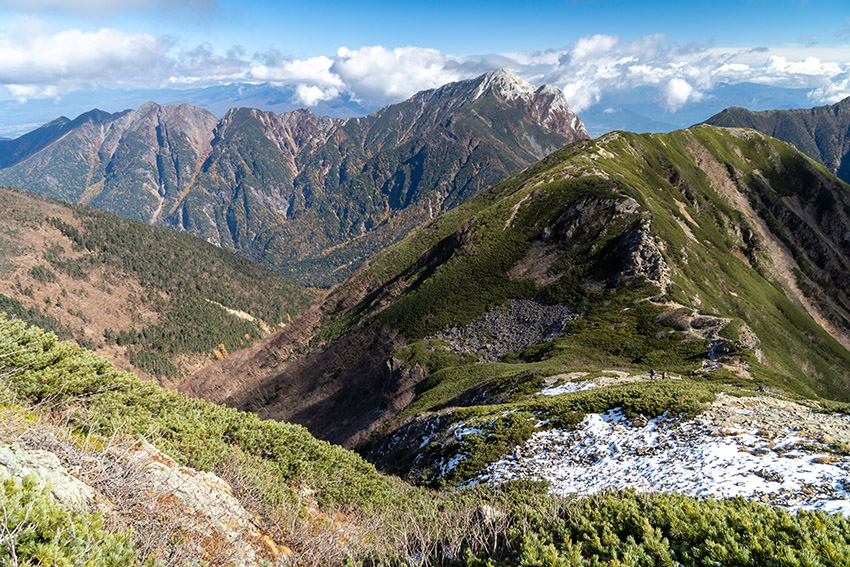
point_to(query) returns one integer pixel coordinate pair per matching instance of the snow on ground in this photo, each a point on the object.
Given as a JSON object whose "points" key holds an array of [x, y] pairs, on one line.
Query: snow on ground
{"points": [[568, 388], [766, 461], [576, 382]]}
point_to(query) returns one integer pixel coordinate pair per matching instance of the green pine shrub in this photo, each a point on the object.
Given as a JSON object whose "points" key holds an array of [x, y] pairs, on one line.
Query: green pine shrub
{"points": [[38, 532]]}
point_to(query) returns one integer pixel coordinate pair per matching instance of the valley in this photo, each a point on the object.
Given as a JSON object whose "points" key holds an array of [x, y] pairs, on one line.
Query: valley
{"points": [[152, 301], [455, 332]]}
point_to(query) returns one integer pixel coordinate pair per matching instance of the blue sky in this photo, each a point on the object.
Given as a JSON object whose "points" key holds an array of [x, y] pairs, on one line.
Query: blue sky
{"points": [[304, 29], [380, 51]]}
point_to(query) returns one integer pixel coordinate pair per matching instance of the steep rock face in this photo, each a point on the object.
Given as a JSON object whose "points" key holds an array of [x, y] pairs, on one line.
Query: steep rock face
{"points": [[617, 231], [310, 196], [822, 133], [132, 163]]}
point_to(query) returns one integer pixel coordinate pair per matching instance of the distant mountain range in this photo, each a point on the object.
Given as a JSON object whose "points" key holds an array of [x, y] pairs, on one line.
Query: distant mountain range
{"points": [[21, 118], [822, 133], [310, 196], [643, 109]]}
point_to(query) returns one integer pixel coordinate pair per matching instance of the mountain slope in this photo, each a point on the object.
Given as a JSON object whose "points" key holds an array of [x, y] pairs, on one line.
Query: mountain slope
{"points": [[822, 133], [708, 254], [310, 196], [109, 426], [149, 299], [221, 488]]}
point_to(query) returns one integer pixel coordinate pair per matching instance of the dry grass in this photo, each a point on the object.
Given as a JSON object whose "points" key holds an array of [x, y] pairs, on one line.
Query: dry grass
{"points": [[160, 524]]}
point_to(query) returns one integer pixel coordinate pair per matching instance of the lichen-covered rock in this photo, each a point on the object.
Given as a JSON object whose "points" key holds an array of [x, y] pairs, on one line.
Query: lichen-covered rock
{"points": [[17, 462], [211, 515]]}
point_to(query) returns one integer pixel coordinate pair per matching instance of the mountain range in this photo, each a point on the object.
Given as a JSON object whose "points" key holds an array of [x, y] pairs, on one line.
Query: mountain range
{"points": [[822, 133], [309, 196]]}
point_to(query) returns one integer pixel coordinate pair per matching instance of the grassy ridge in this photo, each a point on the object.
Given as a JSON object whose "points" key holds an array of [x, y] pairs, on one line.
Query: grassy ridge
{"points": [[701, 199], [455, 267], [705, 271]]}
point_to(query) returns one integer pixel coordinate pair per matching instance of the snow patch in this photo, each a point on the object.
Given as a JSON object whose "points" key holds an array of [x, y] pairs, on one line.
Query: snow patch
{"points": [[696, 458], [569, 388]]}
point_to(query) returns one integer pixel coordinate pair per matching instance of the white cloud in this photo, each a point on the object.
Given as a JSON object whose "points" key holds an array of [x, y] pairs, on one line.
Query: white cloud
{"points": [[678, 92], [38, 63], [315, 70], [311, 95], [378, 74], [837, 89], [34, 63], [600, 65], [808, 66], [202, 66], [593, 47], [582, 93]]}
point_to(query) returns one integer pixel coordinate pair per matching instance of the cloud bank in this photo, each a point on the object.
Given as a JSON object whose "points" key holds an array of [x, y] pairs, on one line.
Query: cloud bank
{"points": [[37, 64]]}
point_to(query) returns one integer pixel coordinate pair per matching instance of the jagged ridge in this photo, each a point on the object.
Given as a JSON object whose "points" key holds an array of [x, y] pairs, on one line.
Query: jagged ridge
{"points": [[310, 196]]}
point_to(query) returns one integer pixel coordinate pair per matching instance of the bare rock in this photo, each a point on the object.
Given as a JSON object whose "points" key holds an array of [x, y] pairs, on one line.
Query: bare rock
{"points": [[208, 510], [644, 258], [17, 462], [518, 324]]}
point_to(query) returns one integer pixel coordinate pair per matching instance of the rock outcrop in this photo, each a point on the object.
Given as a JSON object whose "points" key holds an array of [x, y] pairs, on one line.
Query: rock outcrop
{"points": [[507, 328], [144, 489], [49, 472]]}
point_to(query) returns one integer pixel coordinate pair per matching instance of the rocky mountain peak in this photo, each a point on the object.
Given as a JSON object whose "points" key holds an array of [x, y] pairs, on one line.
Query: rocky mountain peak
{"points": [[545, 105], [505, 84], [148, 108], [550, 108]]}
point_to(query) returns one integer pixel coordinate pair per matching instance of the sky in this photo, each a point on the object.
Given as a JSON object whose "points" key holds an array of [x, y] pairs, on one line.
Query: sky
{"points": [[379, 52]]}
